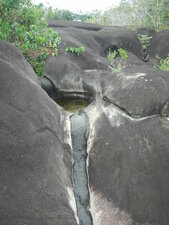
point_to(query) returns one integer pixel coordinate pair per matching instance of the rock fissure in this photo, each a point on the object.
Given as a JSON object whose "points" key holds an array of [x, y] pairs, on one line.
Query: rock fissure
{"points": [[80, 177], [132, 116]]}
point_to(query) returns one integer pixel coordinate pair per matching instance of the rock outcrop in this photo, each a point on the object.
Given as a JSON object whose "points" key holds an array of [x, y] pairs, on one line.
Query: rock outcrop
{"points": [[127, 140], [35, 161], [159, 45], [128, 125]]}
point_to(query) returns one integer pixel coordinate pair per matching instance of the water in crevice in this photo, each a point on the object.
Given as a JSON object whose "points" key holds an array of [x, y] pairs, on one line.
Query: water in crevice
{"points": [[75, 102], [79, 124], [72, 105], [80, 178]]}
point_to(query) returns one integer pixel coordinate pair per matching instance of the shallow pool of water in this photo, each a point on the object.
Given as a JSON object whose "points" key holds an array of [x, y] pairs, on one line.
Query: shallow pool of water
{"points": [[72, 105]]}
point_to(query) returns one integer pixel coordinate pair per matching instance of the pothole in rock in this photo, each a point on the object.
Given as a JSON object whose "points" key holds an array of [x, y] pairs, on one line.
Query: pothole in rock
{"points": [[75, 102], [79, 127], [72, 105]]}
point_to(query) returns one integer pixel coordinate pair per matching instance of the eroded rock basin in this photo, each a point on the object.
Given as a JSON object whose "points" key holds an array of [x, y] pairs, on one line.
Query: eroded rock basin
{"points": [[79, 127], [72, 105]]}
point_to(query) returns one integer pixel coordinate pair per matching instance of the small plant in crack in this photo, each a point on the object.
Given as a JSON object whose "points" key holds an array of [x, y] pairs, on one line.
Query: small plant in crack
{"points": [[115, 64], [111, 56], [76, 51], [123, 53], [144, 40]]}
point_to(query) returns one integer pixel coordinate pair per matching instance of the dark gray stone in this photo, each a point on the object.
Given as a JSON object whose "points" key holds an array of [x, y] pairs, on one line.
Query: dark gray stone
{"points": [[128, 169], [128, 141], [146, 31], [35, 162], [67, 69], [159, 45], [140, 90], [81, 25]]}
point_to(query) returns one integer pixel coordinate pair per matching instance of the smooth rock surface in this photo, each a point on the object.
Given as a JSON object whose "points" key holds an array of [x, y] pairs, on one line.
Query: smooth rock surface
{"points": [[128, 168], [159, 45], [128, 156], [35, 162], [140, 90]]}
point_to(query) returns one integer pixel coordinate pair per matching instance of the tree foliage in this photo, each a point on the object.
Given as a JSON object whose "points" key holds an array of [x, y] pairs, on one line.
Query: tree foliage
{"points": [[25, 26], [135, 13], [56, 14], [14, 4]]}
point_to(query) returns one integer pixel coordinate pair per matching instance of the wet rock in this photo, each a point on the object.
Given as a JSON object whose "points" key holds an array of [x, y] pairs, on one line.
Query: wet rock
{"points": [[48, 86], [79, 145]]}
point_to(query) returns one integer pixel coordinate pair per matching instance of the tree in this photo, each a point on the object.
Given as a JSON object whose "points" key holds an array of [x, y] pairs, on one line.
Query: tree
{"points": [[135, 13], [14, 4]]}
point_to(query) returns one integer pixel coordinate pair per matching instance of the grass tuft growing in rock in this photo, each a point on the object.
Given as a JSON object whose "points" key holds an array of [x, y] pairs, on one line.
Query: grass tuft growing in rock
{"points": [[115, 65]]}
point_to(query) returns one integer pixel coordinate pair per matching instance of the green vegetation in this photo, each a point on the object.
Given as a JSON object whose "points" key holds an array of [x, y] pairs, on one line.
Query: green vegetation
{"points": [[111, 56], [135, 13], [25, 26], [76, 51], [56, 14], [163, 63], [144, 40], [117, 66], [123, 53]]}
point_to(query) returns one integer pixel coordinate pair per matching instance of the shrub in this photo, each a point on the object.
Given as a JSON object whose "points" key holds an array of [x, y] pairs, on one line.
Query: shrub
{"points": [[111, 56], [163, 63], [76, 51], [27, 29], [123, 53], [144, 40]]}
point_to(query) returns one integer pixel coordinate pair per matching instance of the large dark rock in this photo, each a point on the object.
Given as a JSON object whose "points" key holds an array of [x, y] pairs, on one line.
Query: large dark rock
{"points": [[128, 168], [159, 45], [35, 162], [81, 25], [128, 130], [68, 71], [117, 37], [146, 31], [140, 90]]}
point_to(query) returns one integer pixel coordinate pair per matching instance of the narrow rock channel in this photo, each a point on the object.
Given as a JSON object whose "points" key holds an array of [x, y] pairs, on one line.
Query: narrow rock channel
{"points": [[80, 179]]}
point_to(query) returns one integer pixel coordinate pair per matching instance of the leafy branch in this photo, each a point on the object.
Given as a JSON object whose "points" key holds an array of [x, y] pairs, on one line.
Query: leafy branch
{"points": [[76, 51]]}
